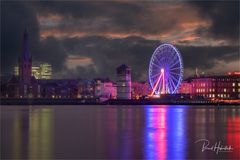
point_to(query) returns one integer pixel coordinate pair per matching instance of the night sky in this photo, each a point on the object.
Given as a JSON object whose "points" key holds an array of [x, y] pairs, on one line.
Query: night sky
{"points": [[90, 39]]}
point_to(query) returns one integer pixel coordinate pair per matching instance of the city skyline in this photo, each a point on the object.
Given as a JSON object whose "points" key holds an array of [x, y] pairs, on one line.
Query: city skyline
{"points": [[90, 39]]}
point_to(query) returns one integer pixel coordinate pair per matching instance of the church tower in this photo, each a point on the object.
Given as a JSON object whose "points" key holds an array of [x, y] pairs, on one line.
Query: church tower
{"points": [[25, 67]]}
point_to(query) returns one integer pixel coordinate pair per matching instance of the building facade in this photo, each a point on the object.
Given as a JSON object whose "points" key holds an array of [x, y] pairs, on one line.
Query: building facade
{"points": [[26, 83], [124, 84], [105, 89], [140, 90], [213, 87], [185, 87], [58, 88], [39, 71]]}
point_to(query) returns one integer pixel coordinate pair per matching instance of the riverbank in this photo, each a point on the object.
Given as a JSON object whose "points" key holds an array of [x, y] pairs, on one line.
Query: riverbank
{"points": [[111, 102]]}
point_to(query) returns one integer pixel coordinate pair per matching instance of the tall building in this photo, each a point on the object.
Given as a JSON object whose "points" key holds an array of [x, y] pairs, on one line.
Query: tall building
{"points": [[25, 69], [25, 62], [39, 71], [124, 83]]}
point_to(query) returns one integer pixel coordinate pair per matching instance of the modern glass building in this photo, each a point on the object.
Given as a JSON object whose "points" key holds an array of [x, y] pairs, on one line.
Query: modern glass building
{"points": [[39, 71]]}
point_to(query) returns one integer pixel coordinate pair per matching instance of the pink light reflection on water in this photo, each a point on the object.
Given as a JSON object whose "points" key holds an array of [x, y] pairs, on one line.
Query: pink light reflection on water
{"points": [[155, 138]]}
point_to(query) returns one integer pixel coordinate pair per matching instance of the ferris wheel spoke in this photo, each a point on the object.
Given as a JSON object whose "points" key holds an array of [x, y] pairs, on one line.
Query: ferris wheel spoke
{"points": [[173, 84], [155, 75], [159, 86], [175, 73], [157, 60], [174, 60], [174, 78], [155, 65], [169, 86], [173, 57], [173, 64], [174, 68]]}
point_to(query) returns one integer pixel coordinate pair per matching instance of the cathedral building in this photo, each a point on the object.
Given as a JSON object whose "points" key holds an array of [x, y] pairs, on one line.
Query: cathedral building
{"points": [[24, 85]]}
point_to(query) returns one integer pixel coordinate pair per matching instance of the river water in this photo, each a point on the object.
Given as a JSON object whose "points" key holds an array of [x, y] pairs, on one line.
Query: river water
{"points": [[120, 132]]}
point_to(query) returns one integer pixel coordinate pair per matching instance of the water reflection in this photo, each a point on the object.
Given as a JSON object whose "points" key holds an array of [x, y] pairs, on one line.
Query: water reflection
{"points": [[233, 136], [19, 136], [31, 134], [117, 132], [40, 133], [165, 133], [176, 138], [155, 133]]}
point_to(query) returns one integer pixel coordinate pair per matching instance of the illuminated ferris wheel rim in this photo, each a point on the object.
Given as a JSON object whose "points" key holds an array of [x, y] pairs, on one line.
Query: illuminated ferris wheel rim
{"points": [[160, 50], [170, 45]]}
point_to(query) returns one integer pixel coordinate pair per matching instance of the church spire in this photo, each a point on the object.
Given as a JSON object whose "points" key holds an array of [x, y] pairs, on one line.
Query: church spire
{"points": [[25, 54]]}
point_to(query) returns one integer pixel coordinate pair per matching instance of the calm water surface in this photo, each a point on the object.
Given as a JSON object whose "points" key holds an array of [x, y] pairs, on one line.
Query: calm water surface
{"points": [[118, 132]]}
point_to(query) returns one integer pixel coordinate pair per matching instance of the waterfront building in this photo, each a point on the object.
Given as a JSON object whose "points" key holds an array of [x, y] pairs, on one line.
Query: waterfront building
{"points": [[105, 88], [58, 88], [213, 87], [124, 83], [85, 89], [140, 90], [39, 70], [185, 87]]}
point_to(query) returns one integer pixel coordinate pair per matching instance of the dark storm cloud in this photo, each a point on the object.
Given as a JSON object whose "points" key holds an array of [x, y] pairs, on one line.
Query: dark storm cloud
{"points": [[118, 13], [107, 53], [136, 52], [217, 20], [224, 16], [207, 56], [119, 17], [15, 18], [52, 51]]}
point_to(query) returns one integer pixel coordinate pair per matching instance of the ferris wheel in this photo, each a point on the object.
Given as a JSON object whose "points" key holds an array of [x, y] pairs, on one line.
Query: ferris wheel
{"points": [[165, 70]]}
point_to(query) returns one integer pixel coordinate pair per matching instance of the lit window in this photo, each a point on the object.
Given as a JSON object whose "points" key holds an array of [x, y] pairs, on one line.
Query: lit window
{"points": [[210, 95], [225, 90], [233, 89], [233, 84], [238, 84], [213, 95]]}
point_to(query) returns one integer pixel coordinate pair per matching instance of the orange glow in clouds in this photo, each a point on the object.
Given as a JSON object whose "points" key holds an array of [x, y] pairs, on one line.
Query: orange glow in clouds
{"points": [[74, 61]]}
